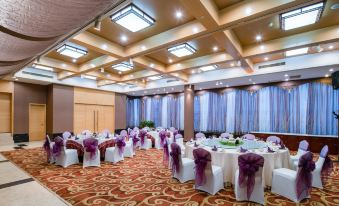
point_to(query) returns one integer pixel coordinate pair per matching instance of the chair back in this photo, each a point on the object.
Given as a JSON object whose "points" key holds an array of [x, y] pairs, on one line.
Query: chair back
{"points": [[129, 130], [162, 136], [47, 147], [303, 145], [306, 166], [324, 151], [225, 135], [199, 135], [123, 133], [249, 166], [58, 147], [175, 132], [91, 146], [172, 129], [202, 160], [178, 136], [147, 129], [86, 132], [105, 133], [165, 156], [120, 142], [136, 129], [327, 164], [104, 145], [66, 135], [273, 139], [176, 157], [249, 137]]}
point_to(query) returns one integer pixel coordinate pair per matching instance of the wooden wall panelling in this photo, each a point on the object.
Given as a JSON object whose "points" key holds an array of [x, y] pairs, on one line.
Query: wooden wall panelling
{"points": [[5, 113], [7, 88], [95, 97]]}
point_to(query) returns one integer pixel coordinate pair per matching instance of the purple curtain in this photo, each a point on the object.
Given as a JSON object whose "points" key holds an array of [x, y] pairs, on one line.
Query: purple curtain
{"points": [[201, 159], [58, 144], [91, 146], [249, 164], [176, 155], [304, 176]]}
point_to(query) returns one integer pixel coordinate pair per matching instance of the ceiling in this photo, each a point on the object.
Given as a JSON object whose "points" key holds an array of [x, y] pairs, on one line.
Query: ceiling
{"points": [[223, 32]]}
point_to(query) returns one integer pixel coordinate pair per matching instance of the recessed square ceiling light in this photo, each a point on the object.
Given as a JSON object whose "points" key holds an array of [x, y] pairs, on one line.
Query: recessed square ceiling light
{"points": [[296, 52], [301, 17], [46, 68], [182, 50], [208, 68], [123, 66], [88, 77], [155, 78], [71, 51], [132, 18]]}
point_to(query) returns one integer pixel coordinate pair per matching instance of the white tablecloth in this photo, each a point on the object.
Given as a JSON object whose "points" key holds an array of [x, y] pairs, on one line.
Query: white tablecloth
{"points": [[80, 140], [228, 160]]}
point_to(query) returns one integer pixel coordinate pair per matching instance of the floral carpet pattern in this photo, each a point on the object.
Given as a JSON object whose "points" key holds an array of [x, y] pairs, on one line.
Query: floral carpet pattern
{"points": [[141, 180]]}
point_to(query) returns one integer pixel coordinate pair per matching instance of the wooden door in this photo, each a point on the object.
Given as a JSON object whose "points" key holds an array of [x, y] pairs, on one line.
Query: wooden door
{"points": [[5, 113], [90, 118], [106, 118], [37, 122], [79, 118]]}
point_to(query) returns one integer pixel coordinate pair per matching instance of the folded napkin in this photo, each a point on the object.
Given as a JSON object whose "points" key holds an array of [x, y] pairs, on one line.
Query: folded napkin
{"points": [[242, 150], [270, 150], [214, 148], [195, 144]]}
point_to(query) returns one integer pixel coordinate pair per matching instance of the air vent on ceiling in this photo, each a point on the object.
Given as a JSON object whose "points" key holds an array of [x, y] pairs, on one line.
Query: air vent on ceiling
{"points": [[172, 80], [272, 65], [295, 77], [37, 74]]}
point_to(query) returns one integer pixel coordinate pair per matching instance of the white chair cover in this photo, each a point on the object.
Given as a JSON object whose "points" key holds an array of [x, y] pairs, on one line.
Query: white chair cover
{"points": [[186, 169], [66, 135], [67, 157], [129, 151], [88, 162], [112, 155]]}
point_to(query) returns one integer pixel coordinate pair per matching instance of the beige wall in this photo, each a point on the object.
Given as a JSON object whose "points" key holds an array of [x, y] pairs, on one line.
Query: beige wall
{"points": [[120, 111]]}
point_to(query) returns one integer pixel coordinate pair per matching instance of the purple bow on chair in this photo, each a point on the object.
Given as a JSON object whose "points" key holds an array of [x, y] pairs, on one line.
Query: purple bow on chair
{"points": [[162, 135], [120, 142], [249, 164], [175, 154], [47, 148], [166, 153], [201, 159], [91, 146], [304, 176], [57, 147], [142, 136]]}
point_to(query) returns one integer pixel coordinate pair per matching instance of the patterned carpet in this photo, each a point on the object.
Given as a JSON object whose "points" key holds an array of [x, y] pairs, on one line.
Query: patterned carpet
{"points": [[141, 180]]}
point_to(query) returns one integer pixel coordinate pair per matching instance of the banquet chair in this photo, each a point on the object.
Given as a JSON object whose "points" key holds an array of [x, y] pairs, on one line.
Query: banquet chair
{"points": [[66, 135], [64, 157], [243, 188], [48, 146], [182, 168], [294, 185], [123, 133], [179, 139], [159, 142], [136, 129], [208, 178], [225, 135], [303, 147], [105, 133], [322, 168], [249, 137], [91, 153], [147, 129], [86, 132], [145, 143], [115, 154], [129, 151], [273, 139], [172, 129], [199, 135]]}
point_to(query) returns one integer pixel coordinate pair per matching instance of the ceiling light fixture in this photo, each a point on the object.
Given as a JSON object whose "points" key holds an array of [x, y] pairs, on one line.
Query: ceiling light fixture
{"points": [[182, 50], [41, 67], [123, 66], [71, 51], [215, 48], [296, 52], [88, 77], [208, 68], [330, 47], [178, 14], [330, 70], [258, 37], [74, 60], [102, 70], [123, 38], [153, 78], [266, 58], [327, 75], [170, 60], [286, 75], [132, 18], [301, 17]]}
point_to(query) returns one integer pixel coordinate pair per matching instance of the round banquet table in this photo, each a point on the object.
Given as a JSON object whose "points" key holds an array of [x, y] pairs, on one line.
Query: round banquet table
{"points": [[227, 159], [80, 139]]}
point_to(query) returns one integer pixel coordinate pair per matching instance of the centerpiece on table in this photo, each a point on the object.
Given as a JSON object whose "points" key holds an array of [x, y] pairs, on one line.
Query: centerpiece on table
{"points": [[232, 141]]}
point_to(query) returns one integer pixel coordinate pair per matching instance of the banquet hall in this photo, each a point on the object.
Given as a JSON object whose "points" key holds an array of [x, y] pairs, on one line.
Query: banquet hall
{"points": [[169, 102]]}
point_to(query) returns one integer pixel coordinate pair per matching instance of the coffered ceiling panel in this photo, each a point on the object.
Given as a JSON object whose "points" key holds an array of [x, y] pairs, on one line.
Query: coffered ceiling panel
{"points": [[221, 4], [162, 11], [89, 56]]}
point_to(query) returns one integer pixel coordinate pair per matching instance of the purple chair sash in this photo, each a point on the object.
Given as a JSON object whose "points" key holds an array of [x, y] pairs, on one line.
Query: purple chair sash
{"points": [[249, 164], [304, 176], [327, 166], [142, 136], [165, 154], [303, 145], [91, 146], [162, 135], [57, 147], [201, 158], [120, 142], [175, 154], [47, 148]]}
